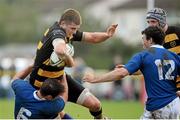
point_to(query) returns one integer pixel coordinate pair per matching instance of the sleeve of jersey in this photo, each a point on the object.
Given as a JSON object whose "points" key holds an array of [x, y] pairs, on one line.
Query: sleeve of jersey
{"points": [[78, 36], [179, 66], [58, 34], [134, 63], [55, 106], [61, 104], [178, 77]]}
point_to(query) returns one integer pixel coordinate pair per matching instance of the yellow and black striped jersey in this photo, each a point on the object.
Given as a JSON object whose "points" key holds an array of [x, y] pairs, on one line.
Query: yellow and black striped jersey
{"points": [[172, 39], [42, 68], [172, 43]]}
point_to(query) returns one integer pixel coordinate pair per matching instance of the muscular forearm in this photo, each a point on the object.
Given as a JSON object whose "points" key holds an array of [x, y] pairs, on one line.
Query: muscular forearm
{"points": [[95, 37], [108, 77]]}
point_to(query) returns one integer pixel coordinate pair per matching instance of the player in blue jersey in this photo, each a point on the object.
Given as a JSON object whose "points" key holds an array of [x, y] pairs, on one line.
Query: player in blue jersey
{"points": [[157, 17], [160, 68], [30, 103]]}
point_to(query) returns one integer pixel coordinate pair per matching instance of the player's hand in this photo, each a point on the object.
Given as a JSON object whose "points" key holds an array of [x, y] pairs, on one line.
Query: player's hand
{"points": [[119, 66], [88, 77], [178, 93], [111, 30]]}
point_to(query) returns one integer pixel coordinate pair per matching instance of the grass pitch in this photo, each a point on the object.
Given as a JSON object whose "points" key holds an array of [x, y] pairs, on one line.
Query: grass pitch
{"points": [[111, 109]]}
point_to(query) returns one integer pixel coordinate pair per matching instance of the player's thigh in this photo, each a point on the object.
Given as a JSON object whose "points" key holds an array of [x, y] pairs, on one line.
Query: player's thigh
{"points": [[78, 94], [170, 111], [175, 108], [146, 115], [74, 89]]}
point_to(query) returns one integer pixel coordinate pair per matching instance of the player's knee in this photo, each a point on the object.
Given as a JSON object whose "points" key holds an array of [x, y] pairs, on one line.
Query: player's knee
{"points": [[88, 100], [95, 105]]}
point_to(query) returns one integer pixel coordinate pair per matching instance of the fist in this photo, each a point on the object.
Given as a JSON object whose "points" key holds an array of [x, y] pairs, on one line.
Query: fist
{"points": [[69, 49]]}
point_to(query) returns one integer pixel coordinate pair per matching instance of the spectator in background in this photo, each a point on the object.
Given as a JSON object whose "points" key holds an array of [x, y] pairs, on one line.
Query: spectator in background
{"points": [[78, 69], [7, 72]]}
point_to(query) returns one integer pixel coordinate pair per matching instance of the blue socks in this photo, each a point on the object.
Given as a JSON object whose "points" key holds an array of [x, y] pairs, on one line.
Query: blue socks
{"points": [[66, 116]]}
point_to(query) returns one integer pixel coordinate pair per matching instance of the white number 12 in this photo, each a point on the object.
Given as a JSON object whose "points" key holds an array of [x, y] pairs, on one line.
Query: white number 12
{"points": [[160, 64]]}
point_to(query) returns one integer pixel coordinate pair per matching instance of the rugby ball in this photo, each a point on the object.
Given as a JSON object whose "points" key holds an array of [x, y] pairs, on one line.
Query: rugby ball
{"points": [[54, 59]]}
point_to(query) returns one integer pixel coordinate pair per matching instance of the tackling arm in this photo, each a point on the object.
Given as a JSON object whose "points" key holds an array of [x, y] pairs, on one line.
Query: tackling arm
{"points": [[114, 75], [97, 37], [24, 73]]}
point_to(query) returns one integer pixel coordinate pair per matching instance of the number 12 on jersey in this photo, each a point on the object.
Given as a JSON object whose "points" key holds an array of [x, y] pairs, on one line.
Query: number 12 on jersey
{"points": [[165, 74]]}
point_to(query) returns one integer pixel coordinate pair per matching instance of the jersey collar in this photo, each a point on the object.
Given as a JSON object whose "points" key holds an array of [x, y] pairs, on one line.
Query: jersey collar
{"points": [[36, 97], [157, 46]]}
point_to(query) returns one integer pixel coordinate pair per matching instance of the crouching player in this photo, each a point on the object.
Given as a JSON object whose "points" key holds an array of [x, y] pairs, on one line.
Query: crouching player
{"points": [[44, 103]]}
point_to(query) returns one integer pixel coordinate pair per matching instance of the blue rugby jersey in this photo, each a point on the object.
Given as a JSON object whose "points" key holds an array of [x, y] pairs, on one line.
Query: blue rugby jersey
{"points": [[160, 68], [29, 106]]}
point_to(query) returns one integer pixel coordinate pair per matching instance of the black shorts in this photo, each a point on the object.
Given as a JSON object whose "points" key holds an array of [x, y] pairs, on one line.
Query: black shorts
{"points": [[74, 89]]}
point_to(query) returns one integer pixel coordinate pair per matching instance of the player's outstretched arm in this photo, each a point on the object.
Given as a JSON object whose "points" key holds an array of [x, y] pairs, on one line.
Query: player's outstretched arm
{"points": [[114, 75], [24, 73], [97, 37], [178, 93]]}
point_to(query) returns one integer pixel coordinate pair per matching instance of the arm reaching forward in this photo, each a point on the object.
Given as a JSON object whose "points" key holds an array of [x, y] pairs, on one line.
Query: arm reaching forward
{"points": [[97, 37], [114, 75]]}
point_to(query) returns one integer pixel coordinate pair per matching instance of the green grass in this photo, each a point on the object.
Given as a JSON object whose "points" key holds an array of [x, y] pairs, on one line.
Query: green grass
{"points": [[111, 109]]}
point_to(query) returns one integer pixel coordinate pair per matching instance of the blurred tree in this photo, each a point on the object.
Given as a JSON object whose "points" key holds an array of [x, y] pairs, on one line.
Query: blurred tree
{"points": [[18, 22]]}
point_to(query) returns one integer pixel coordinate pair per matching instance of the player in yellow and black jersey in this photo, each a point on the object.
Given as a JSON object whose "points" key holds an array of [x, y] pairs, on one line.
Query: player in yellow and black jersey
{"points": [[157, 17], [55, 41], [43, 67], [172, 39]]}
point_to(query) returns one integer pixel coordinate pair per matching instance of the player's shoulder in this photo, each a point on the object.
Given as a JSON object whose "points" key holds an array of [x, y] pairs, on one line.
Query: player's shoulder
{"points": [[55, 29], [60, 103], [173, 29], [18, 81], [18, 84], [78, 36]]}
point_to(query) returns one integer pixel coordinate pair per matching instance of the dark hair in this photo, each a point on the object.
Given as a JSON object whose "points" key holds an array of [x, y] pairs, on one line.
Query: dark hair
{"points": [[71, 16], [51, 87], [155, 33]]}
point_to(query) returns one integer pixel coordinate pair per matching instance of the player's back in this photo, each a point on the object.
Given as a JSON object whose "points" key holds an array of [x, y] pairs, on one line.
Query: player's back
{"points": [[160, 69]]}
